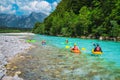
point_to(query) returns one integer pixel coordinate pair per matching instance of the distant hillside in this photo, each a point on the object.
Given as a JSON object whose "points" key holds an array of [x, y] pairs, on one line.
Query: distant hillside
{"points": [[10, 20], [79, 18]]}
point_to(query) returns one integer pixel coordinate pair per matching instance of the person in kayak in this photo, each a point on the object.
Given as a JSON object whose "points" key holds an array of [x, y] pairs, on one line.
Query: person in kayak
{"points": [[66, 41], [97, 48], [75, 47], [43, 42]]}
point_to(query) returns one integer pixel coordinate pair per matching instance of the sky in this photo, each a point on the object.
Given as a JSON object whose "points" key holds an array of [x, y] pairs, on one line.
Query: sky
{"points": [[25, 7]]}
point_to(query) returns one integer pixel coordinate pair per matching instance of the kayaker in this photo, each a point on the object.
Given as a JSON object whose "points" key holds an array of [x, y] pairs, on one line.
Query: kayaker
{"points": [[97, 48], [66, 41], [43, 42], [75, 47]]}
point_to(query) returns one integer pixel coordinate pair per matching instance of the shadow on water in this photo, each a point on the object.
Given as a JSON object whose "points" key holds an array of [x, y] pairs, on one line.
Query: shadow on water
{"points": [[50, 63]]}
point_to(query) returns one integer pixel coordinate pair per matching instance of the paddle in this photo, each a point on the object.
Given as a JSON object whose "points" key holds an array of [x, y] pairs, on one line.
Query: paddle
{"points": [[94, 44], [83, 49], [67, 47]]}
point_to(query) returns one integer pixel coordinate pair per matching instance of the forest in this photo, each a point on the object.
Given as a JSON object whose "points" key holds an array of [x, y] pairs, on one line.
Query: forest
{"points": [[76, 18], [5, 29]]}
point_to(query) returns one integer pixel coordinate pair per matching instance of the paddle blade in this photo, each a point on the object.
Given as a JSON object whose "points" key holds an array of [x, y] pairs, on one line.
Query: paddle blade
{"points": [[67, 47], [83, 49]]}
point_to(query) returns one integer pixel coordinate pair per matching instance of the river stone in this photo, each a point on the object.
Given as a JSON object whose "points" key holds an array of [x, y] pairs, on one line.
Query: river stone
{"points": [[1, 75], [11, 78], [2, 63], [96, 77]]}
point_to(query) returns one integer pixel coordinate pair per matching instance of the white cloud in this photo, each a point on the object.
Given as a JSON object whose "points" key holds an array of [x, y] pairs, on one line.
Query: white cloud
{"points": [[2, 8], [7, 2], [54, 5], [5, 9], [6, 6], [27, 6], [44, 7], [37, 6], [12, 1]]}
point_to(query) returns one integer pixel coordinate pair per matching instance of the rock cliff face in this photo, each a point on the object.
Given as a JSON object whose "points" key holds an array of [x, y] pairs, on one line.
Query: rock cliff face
{"points": [[9, 20]]}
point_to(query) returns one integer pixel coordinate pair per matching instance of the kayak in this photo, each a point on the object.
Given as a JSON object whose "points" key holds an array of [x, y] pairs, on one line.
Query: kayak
{"points": [[96, 52], [76, 51], [31, 41]]}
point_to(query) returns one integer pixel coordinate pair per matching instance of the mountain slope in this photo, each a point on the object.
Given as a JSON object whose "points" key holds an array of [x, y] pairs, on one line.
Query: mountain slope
{"points": [[10, 20]]}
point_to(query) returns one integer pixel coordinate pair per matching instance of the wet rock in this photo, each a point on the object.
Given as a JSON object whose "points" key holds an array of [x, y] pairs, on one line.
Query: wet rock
{"points": [[96, 77], [100, 38], [61, 55], [3, 62], [83, 37], [12, 78], [80, 72], [15, 77], [57, 72], [7, 78], [61, 63]]}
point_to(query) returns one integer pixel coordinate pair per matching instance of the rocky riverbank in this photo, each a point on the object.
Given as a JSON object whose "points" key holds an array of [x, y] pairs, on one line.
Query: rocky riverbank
{"points": [[9, 47], [101, 38]]}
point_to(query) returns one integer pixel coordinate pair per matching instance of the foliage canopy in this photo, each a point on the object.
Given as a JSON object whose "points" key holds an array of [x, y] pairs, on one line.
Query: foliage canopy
{"points": [[83, 18]]}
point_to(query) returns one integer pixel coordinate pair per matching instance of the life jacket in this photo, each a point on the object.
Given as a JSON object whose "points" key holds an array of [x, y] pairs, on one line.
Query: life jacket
{"points": [[75, 48], [97, 48], [43, 42]]}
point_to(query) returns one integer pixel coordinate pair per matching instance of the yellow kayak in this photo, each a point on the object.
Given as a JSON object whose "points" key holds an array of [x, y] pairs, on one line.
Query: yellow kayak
{"points": [[96, 52]]}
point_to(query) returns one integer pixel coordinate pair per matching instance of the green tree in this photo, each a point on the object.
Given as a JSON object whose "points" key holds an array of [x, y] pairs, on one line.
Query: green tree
{"points": [[115, 29], [36, 26], [84, 19], [39, 28]]}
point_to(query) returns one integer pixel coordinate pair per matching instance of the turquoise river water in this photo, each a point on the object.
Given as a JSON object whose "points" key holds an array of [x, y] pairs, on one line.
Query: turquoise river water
{"points": [[54, 61], [111, 49]]}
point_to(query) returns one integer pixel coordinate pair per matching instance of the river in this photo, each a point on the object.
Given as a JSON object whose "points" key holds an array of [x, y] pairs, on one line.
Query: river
{"points": [[55, 62]]}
